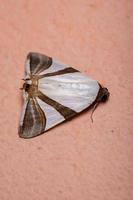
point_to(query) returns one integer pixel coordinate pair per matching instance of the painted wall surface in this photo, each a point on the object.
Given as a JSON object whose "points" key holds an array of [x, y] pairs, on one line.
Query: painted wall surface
{"points": [[79, 159]]}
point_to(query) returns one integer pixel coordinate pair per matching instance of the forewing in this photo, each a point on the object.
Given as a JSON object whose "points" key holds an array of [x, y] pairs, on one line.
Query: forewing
{"points": [[53, 116], [73, 90], [37, 63], [33, 120]]}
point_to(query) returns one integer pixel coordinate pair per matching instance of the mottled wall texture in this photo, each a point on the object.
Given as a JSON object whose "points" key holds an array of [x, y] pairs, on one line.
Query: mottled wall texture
{"points": [[79, 159]]}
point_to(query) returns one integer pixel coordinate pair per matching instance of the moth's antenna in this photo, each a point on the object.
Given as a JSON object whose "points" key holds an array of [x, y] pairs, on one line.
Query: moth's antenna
{"points": [[94, 108]]}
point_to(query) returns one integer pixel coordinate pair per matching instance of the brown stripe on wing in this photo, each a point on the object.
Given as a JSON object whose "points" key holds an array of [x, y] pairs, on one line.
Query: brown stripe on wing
{"points": [[60, 72], [34, 121], [63, 110], [39, 62]]}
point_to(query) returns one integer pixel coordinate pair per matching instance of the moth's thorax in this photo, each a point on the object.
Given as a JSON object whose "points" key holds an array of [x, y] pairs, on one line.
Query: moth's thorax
{"points": [[31, 86]]}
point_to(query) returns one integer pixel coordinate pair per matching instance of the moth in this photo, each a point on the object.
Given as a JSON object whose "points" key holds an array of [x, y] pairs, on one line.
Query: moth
{"points": [[54, 92]]}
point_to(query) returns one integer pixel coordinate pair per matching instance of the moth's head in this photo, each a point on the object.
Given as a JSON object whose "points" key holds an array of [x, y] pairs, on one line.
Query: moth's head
{"points": [[105, 95]]}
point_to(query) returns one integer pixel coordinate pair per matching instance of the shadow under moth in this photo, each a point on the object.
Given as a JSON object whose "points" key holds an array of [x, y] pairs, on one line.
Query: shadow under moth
{"points": [[54, 92]]}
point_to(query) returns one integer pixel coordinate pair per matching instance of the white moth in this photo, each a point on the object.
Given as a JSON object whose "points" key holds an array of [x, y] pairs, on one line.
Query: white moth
{"points": [[54, 92]]}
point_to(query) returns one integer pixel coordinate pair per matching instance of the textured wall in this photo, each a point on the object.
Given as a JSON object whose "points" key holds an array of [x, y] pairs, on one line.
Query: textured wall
{"points": [[76, 160]]}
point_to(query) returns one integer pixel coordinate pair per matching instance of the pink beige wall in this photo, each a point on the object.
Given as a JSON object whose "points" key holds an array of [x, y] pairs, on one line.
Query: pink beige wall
{"points": [[77, 160]]}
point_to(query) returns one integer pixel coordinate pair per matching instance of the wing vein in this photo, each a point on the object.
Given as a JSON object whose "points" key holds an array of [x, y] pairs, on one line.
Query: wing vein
{"points": [[63, 110], [60, 72]]}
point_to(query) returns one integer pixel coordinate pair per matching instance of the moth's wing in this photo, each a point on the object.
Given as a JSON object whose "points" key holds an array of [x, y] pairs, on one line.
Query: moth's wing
{"points": [[66, 90], [37, 63], [33, 120], [54, 114], [73, 90]]}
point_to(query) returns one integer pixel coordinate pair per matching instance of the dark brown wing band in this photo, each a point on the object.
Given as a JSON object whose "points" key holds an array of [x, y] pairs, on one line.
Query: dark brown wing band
{"points": [[34, 121], [63, 110], [60, 72], [39, 62]]}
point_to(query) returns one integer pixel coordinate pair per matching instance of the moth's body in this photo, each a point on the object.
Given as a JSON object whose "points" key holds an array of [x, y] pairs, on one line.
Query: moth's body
{"points": [[31, 87], [54, 92]]}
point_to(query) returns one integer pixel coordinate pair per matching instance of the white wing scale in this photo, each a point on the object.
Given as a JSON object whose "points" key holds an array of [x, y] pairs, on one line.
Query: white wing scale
{"points": [[73, 90], [52, 116], [56, 66]]}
